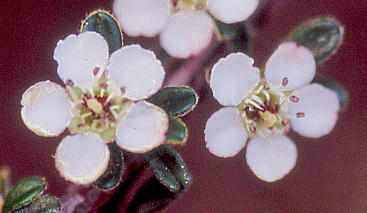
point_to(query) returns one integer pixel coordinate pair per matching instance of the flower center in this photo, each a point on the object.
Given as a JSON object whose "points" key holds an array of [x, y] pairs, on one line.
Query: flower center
{"points": [[264, 110], [179, 5], [97, 108]]}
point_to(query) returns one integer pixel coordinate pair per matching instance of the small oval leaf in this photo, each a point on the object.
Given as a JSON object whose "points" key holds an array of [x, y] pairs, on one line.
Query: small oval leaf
{"points": [[237, 35], [176, 101], [111, 178], [168, 167], [105, 24], [333, 85], [152, 197], [177, 131], [322, 36], [42, 204], [24, 192]]}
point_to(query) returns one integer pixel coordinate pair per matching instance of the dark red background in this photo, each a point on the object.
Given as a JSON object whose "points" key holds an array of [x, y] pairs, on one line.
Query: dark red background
{"points": [[330, 175]]}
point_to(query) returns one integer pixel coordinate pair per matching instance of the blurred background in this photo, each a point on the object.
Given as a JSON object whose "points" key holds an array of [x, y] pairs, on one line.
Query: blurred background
{"points": [[331, 172]]}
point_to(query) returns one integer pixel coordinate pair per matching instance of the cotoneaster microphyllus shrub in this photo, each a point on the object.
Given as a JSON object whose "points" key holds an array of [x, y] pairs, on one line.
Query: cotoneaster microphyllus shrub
{"points": [[103, 101], [262, 107], [185, 26]]}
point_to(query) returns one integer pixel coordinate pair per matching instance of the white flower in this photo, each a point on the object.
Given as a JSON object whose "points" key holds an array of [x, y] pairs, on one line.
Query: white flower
{"points": [[263, 109], [185, 27], [102, 102]]}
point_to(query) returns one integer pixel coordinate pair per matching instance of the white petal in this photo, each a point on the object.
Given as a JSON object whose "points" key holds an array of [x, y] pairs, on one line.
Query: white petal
{"points": [[231, 11], [291, 61], [224, 133], [232, 78], [320, 106], [143, 129], [138, 70], [78, 55], [143, 17], [46, 108], [271, 158], [187, 33], [82, 159]]}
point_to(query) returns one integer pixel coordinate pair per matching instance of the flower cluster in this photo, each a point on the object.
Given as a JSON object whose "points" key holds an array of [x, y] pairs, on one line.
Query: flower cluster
{"points": [[103, 101], [264, 105], [185, 27]]}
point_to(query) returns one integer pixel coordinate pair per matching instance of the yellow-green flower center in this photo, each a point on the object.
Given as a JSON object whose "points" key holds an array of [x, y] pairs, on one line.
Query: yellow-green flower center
{"points": [[97, 108], [189, 5], [264, 110]]}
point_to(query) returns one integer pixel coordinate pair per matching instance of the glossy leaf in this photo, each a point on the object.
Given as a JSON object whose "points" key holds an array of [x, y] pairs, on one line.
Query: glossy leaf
{"points": [[176, 101], [168, 167], [111, 178], [237, 35], [42, 204], [177, 131], [106, 25], [322, 36], [4, 181], [340, 91], [24, 192], [152, 197]]}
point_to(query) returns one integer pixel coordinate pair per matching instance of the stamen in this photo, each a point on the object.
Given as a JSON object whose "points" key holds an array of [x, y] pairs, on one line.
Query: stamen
{"points": [[103, 85], [253, 129], [257, 99], [300, 114], [284, 123], [123, 90], [266, 87], [69, 83], [249, 101], [294, 99], [96, 71], [277, 107], [285, 82]]}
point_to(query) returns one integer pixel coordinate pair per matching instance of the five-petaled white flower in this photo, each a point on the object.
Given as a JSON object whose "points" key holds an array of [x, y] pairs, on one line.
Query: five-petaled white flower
{"points": [[102, 102], [264, 106], [184, 25]]}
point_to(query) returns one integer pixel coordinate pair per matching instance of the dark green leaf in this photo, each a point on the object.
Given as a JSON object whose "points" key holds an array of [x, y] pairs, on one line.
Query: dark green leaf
{"points": [[111, 178], [168, 167], [105, 24], [177, 131], [24, 192], [152, 197], [4, 181], [42, 204], [322, 36], [237, 35], [340, 91], [176, 101]]}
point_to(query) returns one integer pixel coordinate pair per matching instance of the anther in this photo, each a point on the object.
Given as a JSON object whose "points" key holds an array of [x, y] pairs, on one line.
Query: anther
{"points": [[103, 85], [294, 98], [252, 129], [277, 107], [123, 90], [266, 87], [69, 83], [285, 82], [300, 114], [95, 71], [284, 123]]}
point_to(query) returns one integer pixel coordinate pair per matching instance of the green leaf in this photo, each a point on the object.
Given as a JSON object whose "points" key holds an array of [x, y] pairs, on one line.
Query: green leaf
{"points": [[322, 36], [111, 178], [4, 181], [177, 131], [168, 167], [176, 101], [24, 192], [333, 85], [105, 24], [237, 35], [152, 197], [42, 204]]}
